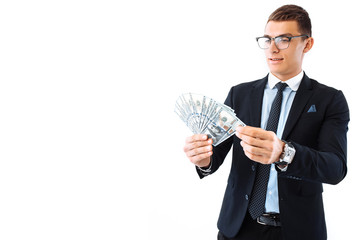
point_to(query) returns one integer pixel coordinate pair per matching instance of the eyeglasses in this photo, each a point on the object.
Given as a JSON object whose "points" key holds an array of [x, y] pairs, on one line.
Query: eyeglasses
{"points": [[281, 42]]}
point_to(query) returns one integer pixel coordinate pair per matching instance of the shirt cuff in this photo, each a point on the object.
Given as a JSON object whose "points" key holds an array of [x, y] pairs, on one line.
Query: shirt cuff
{"points": [[205, 171]]}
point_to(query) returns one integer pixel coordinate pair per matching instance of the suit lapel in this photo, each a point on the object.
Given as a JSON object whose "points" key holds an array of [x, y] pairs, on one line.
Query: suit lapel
{"points": [[301, 98], [256, 100]]}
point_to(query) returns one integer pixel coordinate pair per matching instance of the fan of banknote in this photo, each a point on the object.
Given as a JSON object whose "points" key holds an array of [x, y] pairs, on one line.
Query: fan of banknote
{"points": [[203, 115]]}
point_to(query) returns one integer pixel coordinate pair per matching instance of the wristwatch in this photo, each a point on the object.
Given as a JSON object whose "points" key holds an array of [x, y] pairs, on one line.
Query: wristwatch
{"points": [[286, 157]]}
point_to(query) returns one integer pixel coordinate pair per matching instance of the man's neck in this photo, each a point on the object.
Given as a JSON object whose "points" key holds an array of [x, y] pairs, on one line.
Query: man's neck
{"points": [[286, 77]]}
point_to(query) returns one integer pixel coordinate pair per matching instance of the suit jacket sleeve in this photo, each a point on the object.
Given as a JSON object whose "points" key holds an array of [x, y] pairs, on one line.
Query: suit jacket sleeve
{"points": [[320, 140]]}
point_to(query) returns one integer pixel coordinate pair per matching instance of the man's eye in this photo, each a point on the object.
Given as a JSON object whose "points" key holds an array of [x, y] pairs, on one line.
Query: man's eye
{"points": [[283, 39]]}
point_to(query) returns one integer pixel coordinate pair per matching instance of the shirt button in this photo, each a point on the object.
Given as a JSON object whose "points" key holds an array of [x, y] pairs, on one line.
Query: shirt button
{"points": [[246, 197], [253, 168]]}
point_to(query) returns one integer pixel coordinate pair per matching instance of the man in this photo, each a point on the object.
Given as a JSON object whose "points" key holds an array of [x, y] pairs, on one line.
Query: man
{"points": [[295, 141]]}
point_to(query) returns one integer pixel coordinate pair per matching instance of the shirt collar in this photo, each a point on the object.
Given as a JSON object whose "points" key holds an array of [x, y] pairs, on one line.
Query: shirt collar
{"points": [[293, 83]]}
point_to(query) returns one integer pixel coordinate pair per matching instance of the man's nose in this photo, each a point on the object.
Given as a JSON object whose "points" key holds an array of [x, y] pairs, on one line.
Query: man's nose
{"points": [[273, 47]]}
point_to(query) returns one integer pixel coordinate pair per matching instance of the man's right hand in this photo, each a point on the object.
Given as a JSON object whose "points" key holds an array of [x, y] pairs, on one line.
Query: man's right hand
{"points": [[198, 149]]}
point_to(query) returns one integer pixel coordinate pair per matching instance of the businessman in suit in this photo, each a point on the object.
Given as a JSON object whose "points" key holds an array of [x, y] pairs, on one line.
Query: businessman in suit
{"points": [[294, 142]]}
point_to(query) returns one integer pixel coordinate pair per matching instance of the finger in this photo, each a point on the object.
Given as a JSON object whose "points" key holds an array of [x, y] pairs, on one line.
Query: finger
{"points": [[256, 154], [253, 150], [253, 141], [251, 131], [193, 145], [196, 137], [198, 151], [200, 157], [258, 158], [269, 145]]}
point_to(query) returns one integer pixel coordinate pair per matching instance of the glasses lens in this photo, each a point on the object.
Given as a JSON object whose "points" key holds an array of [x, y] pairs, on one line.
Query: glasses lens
{"points": [[282, 42], [264, 42]]}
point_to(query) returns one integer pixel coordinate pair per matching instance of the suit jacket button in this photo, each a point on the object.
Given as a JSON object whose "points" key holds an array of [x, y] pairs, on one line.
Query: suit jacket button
{"points": [[246, 197]]}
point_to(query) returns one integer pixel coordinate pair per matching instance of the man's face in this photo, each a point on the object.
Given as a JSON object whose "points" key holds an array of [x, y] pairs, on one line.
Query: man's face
{"points": [[286, 63]]}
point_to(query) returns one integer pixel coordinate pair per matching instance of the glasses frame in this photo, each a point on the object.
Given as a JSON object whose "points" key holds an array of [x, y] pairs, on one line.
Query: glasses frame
{"points": [[279, 37]]}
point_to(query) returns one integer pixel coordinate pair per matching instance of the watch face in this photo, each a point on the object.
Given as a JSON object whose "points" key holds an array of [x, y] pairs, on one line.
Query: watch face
{"points": [[289, 153]]}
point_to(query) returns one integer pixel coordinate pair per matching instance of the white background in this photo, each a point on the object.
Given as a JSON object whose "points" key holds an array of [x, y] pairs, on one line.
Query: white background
{"points": [[90, 147]]}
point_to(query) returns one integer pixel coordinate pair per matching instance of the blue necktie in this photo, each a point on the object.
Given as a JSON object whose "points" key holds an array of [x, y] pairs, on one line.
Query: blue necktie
{"points": [[258, 196]]}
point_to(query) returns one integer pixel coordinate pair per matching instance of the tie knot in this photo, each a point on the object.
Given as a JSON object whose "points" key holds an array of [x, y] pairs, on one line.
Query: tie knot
{"points": [[281, 86]]}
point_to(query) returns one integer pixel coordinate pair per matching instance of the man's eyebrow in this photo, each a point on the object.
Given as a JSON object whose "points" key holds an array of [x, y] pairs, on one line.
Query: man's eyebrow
{"points": [[281, 35]]}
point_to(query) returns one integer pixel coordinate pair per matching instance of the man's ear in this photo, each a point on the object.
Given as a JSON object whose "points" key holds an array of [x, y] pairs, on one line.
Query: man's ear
{"points": [[309, 44]]}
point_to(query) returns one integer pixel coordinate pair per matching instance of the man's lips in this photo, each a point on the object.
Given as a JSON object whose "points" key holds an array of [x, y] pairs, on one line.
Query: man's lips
{"points": [[276, 59]]}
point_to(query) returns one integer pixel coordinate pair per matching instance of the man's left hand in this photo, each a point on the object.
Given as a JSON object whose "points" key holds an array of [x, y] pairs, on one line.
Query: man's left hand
{"points": [[260, 145]]}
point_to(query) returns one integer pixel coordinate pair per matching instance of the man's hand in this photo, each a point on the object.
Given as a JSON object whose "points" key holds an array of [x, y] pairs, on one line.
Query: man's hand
{"points": [[260, 145], [198, 149]]}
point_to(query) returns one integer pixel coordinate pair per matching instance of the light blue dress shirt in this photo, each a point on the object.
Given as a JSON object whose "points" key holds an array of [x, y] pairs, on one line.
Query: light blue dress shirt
{"points": [[272, 196]]}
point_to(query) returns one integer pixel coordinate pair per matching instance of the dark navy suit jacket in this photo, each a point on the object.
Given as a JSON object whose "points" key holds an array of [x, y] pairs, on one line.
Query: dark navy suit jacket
{"points": [[317, 125]]}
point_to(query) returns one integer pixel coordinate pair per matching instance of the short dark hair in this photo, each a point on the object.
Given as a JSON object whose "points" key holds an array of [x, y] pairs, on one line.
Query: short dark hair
{"points": [[293, 13]]}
